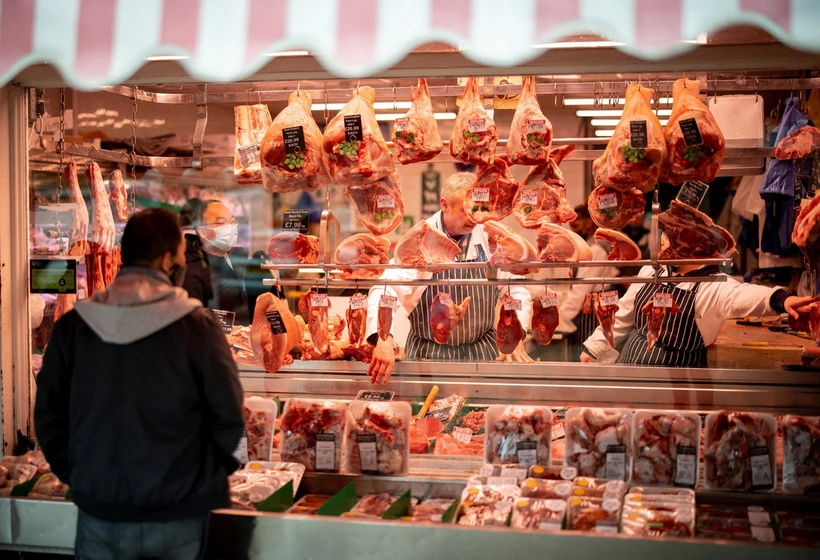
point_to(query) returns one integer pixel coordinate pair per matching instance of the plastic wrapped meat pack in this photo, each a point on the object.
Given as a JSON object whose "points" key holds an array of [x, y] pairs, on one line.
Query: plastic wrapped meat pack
{"points": [[593, 514], [599, 488], [801, 454], [553, 473], [659, 520], [309, 505], [259, 480], [372, 505], [487, 504], [741, 451], [546, 489], [533, 513], [431, 510], [312, 433], [518, 434], [260, 418], [48, 487], [599, 442], [667, 448], [376, 438], [12, 474]]}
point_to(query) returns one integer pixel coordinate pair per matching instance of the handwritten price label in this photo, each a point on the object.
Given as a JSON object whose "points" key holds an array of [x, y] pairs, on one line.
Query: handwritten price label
{"points": [[662, 300], [478, 124], [402, 124], [462, 435], [607, 201], [511, 304], [319, 300], [529, 197], [358, 301], [536, 125], [548, 300], [609, 298], [387, 301], [481, 194], [385, 201]]}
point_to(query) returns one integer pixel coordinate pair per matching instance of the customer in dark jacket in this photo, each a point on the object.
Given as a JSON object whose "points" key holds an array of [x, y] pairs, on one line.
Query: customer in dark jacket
{"points": [[139, 406]]}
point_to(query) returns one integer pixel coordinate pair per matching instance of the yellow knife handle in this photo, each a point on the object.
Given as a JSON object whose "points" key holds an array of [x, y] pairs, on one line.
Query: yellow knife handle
{"points": [[428, 401]]}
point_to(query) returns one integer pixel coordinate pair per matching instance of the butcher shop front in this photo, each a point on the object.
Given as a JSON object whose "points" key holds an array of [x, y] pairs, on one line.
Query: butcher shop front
{"points": [[494, 281]]}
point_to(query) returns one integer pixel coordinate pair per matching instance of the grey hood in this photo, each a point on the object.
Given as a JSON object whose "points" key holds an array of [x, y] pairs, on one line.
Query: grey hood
{"points": [[137, 304]]}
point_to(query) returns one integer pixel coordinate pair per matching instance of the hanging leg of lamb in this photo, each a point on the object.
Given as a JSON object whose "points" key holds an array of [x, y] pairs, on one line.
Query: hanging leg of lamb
{"points": [[78, 234], [606, 317], [379, 205], [557, 244], [807, 225], [272, 349], [317, 321], [613, 209], [545, 320], [252, 122], [425, 246], [475, 135], [656, 317], [384, 320], [801, 143], [507, 247], [623, 248], [530, 132], [693, 234], [508, 331], [291, 247], [119, 196], [356, 321], [416, 137], [362, 248], [543, 194], [102, 229], [493, 194], [446, 316]]}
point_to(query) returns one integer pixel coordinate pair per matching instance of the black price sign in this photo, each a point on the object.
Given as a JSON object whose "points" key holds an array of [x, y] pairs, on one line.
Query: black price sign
{"points": [[53, 276], [691, 132], [294, 138], [226, 319], [277, 325], [296, 220], [692, 193], [353, 128], [637, 134], [379, 396]]}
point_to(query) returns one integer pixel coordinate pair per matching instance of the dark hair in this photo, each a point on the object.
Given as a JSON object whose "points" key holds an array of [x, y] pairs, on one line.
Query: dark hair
{"points": [[149, 235], [188, 211], [582, 211], [199, 214]]}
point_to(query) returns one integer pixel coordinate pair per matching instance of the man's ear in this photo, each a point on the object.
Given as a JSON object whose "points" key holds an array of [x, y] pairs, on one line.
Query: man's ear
{"points": [[443, 204]]}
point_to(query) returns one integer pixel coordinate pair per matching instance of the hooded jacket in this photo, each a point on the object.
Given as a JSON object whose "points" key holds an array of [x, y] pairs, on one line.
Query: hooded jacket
{"points": [[139, 406]]}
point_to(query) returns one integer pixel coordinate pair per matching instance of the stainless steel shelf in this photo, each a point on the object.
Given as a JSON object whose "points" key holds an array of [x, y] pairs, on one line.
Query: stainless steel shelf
{"points": [[474, 265]]}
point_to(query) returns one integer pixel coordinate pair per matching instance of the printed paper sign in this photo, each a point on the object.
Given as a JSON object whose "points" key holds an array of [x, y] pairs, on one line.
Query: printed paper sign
{"points": [[478, 124], [686, 466], [296, 220], [248, 155], [388, 301], [529, 197], [294, 139], [663, 300], [326, 452], [481, 194], [375, 396], [385, 201], [548, 300], [527, 452], [319, 300], [402, 124], [691, 132], [761, 467], [367, 453], [609, 298], [53, 276], [692, 193], [607, 201], [615, 462], [226, 319], [511, 304], [353, 128], [536, 125], [358, 301], [277, 325]]}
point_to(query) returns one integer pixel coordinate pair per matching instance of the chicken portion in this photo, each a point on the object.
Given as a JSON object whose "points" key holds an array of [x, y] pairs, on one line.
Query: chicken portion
{"points": [[445, 316], [734, 442], [594, 433], [659, 439]]}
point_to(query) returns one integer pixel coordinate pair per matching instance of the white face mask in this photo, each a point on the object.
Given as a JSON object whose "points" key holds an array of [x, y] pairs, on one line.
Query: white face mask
{"points": [[225, 237]]}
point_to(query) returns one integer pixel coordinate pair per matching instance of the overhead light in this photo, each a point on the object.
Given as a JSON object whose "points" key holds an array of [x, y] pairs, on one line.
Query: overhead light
{"points": [[578, 45], [604, 133], [288, 53], [613, 113], [394, 116], [604, 101], [701, 40], [166, 57], [376, 105], [614, 122]]}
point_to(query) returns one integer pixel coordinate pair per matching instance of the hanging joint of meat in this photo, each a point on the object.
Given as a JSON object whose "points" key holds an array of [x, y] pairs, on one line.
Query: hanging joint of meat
{"points": [[657, 314], [292, 247], [316, 307], [475, 135], [78, 234], [274, 332], [424, 246], [445, 316], [545, 318], [543, 194], [693, 234], [416, 135], [384, 319], [530, 132], [806, 232], [102, 256], [605, 311], [508, 332], [623, 248], [356, 319], [119, 196], [379, 205], [558, 244], [507, 247], [613, 209], [362, 249], [252, 122], [493, 194]]}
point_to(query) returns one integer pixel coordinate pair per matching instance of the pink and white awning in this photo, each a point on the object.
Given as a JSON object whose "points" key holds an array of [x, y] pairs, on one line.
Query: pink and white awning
{"points": [[97, 42]]}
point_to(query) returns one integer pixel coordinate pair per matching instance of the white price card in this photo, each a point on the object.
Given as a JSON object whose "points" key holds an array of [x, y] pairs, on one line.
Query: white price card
{"points": [[606, 527], [462, 435], [388, 301], [319, 300], [609, 298], [548, 300], [367, 453], [477, 124], [763, 534], [686, 466], [241, 451], [403, 123], [529, 197], [615, 462], [326, 452], [661, 299], [358, 301], [549, 526], [527, 452], [569, 473], [536, 125], [248, 155], [558, 432], [445, 298], [607, 201], [385, 201], [481, 194], [511, 304], [761, 468], [517, 472], [502, 480], [758, 516]]}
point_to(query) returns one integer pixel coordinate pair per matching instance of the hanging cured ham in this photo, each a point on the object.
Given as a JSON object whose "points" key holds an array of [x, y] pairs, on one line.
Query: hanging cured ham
{"points": [[274, 332], [508, 330], [545, 319], [623, 248], [425, 246], [416, 135], [656, 315], [252, 122], [806, 230], [801, 143], [118, 196], [493, 194], [445, 316], [474, 133], [543, 194], [291, 150], [635, 154], [507, 247], [78, 234], [693, 235], [292, 247], [613, 209], [354, 148], [531, 132], [379, 205], [362, 248], [316, 306], [102, 258], [558, 244], [694, 142]]}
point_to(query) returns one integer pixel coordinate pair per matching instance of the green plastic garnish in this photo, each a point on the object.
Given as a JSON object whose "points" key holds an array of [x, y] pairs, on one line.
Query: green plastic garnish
{"points": [[530, 137], [632, 155], [472, 136], [485, 209], [527, 209], [474, 208], [405, 135], [347, 148], [294, 161], [693, 153], [378, 217]]}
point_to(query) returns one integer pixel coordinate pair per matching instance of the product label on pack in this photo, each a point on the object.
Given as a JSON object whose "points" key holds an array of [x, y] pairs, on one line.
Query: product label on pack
{"points": [[691, 132], [606, 526], [385, 201], [388, 301], [549, 526], [569, 473], [296, 220], [615, 462], [549, 300], [526, 452], [353, 128], [529, 197], [402, 124], [478, 124], [637, 134], [502, 481], [686, 466], [511, 304], [277, 325], [481, 194], [609, 298], [319, 300], [516, 472], [761, 467], [225, 318], [377, 396], [536, 125], [462, 435], [692, 193], [444, 298], [248, 155], [241, 451], [294, 139], [607, 201], [758, 516], [763, 534], [367, 453], [558, 432], [358, 301], [662, 300], [326, 452], [53, 276]]}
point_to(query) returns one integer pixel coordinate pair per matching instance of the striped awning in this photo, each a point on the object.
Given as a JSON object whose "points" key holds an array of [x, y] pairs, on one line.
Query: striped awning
{"points": [[98, 42]]}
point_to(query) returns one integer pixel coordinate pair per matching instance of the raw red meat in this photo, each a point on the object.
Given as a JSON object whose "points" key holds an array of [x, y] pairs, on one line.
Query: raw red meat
{"points": [[102, 229], [606, 317], [530, 132], [623, 248], [558, 244], [693, 234], [78, 234], [730, 439], [292, 247], [814, 321], [807, 225], [252, 122], [292, 168], [545, 320], [698, 161], [379, 205], [362, 248], [446, 316], [493, 194], [656, 317], [317, 322], [474, 133], [507, 247], [624, 167], [352, 155], [119, 197], [384, 320], [416, 135], [543, 194], [613, 209], [272, 349], [421, 431], [799, 144], [424, 246], [508, 331], [356, 322]]}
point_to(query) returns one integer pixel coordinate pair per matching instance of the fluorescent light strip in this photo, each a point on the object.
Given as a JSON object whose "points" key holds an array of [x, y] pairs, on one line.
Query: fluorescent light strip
{"points": [[614, 122], [603, 101], [605, 133], [376, 105], [613, 113], [394, 116]]}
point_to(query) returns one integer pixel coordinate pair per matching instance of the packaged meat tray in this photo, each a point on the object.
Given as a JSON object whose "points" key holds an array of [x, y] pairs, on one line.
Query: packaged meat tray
{"points": [[518, 434], [801, 454], [48, 487], [735, 522], [376, 438], [638, 496], [546, 489], [12, 474], [446, 444], [740, 451], [518, 472], [488, 493], [312, 433], [309, 504], [676, 520], [594, 515], [249, 487], [599, 488], [667, 448], [35, 458], [598, 442], [539, 514], [260, 418], [474, 420], [553, 473], [799, 528], [372, 505], [430, 511]]}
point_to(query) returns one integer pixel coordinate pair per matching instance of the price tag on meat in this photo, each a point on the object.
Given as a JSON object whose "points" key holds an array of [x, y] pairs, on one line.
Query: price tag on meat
{"points": [[763, 534], [607, 201], [502, 481], [536, 125], [758, 516], [226, 319], [319, 300], [402, 124], [516, 472], [663, 300], [558, 432], [277, 325], [368, 453], [241, 451], [385, 201], [529, 197], [548, 300], [294, 139], [606, 527], [609, 298], [358, 301], [296, 220], [462, 435], [248, 155], [388, 301], [569, 473], [691, 132], [511, 304], [378, 396], [526, 452], [478, 124], [615, 462], [761, 467], [686, 466], [326, 452], [444, 298], [692, 193], [637, 134], [353, 128], [481, 194]]}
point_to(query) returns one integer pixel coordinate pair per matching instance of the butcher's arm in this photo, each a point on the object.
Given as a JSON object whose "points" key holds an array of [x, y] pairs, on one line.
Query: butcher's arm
{"points": [[733, 300], [376, 292], [597, 345], [572, 304]]}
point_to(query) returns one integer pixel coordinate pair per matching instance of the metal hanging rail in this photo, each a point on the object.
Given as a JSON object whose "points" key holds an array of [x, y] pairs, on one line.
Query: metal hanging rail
{"points": [[346, 284]]}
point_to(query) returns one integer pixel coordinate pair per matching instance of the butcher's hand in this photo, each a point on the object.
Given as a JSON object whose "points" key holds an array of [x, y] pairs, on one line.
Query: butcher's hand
{"points": [[796, 305], [586, 358], [384, 358], [518, 355]]}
